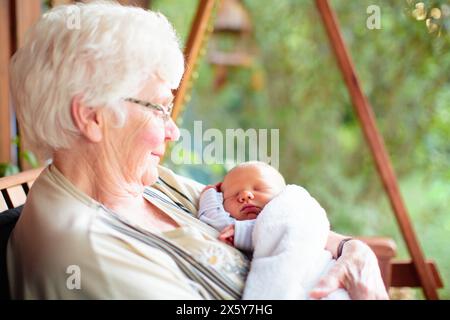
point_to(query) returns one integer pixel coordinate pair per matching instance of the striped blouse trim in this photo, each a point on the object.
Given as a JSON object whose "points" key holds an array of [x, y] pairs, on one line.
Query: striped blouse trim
{"points": [[158, 195], [185, 269], [161, 180], [208, 278], [166, 200]]}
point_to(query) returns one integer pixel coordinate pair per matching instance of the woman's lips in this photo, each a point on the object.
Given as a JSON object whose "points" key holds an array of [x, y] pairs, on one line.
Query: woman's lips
{"points": [[156, 158], [157, 155]]}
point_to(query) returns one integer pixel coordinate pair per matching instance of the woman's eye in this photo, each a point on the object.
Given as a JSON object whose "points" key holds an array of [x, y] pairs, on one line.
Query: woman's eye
{"points": [[158, 112]]}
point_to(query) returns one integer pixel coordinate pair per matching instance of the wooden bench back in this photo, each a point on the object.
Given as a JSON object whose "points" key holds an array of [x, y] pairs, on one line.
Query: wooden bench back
{"points": [[15, 188]]}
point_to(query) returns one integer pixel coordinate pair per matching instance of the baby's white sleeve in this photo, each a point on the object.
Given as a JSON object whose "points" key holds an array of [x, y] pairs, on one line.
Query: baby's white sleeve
{"points": [[243, 234], [211, 210]]}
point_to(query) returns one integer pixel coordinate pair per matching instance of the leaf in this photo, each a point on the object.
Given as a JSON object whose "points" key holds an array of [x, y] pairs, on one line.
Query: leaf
{"points": [[29, 157], [16, 141], [8, 169]]}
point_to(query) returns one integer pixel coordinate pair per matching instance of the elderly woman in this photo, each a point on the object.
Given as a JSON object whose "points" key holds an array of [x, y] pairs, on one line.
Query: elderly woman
{"points": [[104, 220]]}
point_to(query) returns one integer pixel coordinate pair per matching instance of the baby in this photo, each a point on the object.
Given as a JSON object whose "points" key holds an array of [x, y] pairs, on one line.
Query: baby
{"points": [[232, 206], [288, 238]]}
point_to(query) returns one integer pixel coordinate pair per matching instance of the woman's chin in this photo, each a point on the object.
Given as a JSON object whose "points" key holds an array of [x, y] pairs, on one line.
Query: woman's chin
{"points": [[150, 176], [149, 169]]}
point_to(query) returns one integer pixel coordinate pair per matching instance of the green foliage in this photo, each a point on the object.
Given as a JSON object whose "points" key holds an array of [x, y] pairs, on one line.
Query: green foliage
{"points": [[8, 169], [295, 85]]}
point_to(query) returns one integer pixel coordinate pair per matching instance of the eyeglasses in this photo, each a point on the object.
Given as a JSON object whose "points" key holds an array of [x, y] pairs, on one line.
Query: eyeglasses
{"points": [[166, 111]]}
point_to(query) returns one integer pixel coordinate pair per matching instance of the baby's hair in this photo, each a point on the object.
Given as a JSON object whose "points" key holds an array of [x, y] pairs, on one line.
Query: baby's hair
{"points": [[262, 164]]}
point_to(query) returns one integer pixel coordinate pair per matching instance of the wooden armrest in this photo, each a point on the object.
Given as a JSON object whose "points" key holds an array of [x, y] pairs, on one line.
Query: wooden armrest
{"points": [[397, 273], [404, 274]]}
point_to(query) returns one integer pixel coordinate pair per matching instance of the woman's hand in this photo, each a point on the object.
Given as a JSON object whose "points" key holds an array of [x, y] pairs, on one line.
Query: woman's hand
{"points": [[357, 271]]}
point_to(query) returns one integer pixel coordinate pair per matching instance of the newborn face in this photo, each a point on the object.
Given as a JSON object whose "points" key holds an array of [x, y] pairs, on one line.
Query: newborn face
{"points": [[246, 190]]}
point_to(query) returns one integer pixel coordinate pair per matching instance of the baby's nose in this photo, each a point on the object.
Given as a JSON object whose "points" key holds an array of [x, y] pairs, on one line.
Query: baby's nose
{"points": [[245, 195]]}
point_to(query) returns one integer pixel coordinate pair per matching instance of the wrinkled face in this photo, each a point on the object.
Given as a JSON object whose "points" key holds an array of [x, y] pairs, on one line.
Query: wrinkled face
{"points": [[246, 190], [141, 142]]}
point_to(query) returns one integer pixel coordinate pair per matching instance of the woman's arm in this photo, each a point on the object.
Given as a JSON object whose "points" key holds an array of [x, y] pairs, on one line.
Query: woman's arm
{"points": [[356, 270], [333, 242]]}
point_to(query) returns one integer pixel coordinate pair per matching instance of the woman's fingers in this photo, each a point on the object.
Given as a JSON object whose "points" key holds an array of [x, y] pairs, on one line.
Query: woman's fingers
{"points": [[357, 271], [363, 279], [329, 283]]}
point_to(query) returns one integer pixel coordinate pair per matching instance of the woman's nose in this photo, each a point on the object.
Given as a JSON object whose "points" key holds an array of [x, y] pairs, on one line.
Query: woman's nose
{"points": [[172, 131], [246, 195]]}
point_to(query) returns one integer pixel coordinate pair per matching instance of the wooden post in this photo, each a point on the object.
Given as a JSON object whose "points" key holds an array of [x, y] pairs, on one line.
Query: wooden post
{"points": [[5, 54], [194, 43], [365, 115], [27, 13]]}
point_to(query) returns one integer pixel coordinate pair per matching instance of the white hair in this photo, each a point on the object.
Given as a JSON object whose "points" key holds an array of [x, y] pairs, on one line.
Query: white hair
{"points": [[108, 56]]}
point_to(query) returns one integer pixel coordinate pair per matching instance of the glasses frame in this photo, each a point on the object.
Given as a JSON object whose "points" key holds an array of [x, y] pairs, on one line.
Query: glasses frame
{"points": [[166, 111]]}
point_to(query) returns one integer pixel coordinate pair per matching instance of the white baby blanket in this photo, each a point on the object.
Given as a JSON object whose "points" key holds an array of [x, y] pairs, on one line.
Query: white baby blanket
{"points": [[289, 257]]}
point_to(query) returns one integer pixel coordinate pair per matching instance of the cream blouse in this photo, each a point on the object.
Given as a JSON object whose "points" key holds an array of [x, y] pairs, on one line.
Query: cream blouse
{"points": [[68, 246]]}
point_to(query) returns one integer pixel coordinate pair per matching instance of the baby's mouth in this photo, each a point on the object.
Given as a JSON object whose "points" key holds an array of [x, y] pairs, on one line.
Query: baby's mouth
{"points": [[251, 211]]}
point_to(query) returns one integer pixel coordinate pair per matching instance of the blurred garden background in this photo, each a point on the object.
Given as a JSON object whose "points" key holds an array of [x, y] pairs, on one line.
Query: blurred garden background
{"points": [[294, 85]]}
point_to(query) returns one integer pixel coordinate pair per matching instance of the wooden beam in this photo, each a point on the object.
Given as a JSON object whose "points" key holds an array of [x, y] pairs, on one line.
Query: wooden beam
{"points": [[5, 54], [27, 14], [365, 115], [194, 44]]}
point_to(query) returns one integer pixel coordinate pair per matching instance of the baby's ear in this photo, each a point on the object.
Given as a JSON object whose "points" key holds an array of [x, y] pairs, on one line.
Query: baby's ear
{"points": [[218, 186]]}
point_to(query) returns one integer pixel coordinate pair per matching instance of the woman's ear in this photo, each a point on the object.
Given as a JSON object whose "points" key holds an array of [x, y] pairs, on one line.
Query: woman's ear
{"points": [[87, 119]]}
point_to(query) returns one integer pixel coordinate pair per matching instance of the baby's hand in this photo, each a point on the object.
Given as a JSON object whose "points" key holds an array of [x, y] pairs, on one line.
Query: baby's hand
{"points": [[213, 186], [227, 235]]}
